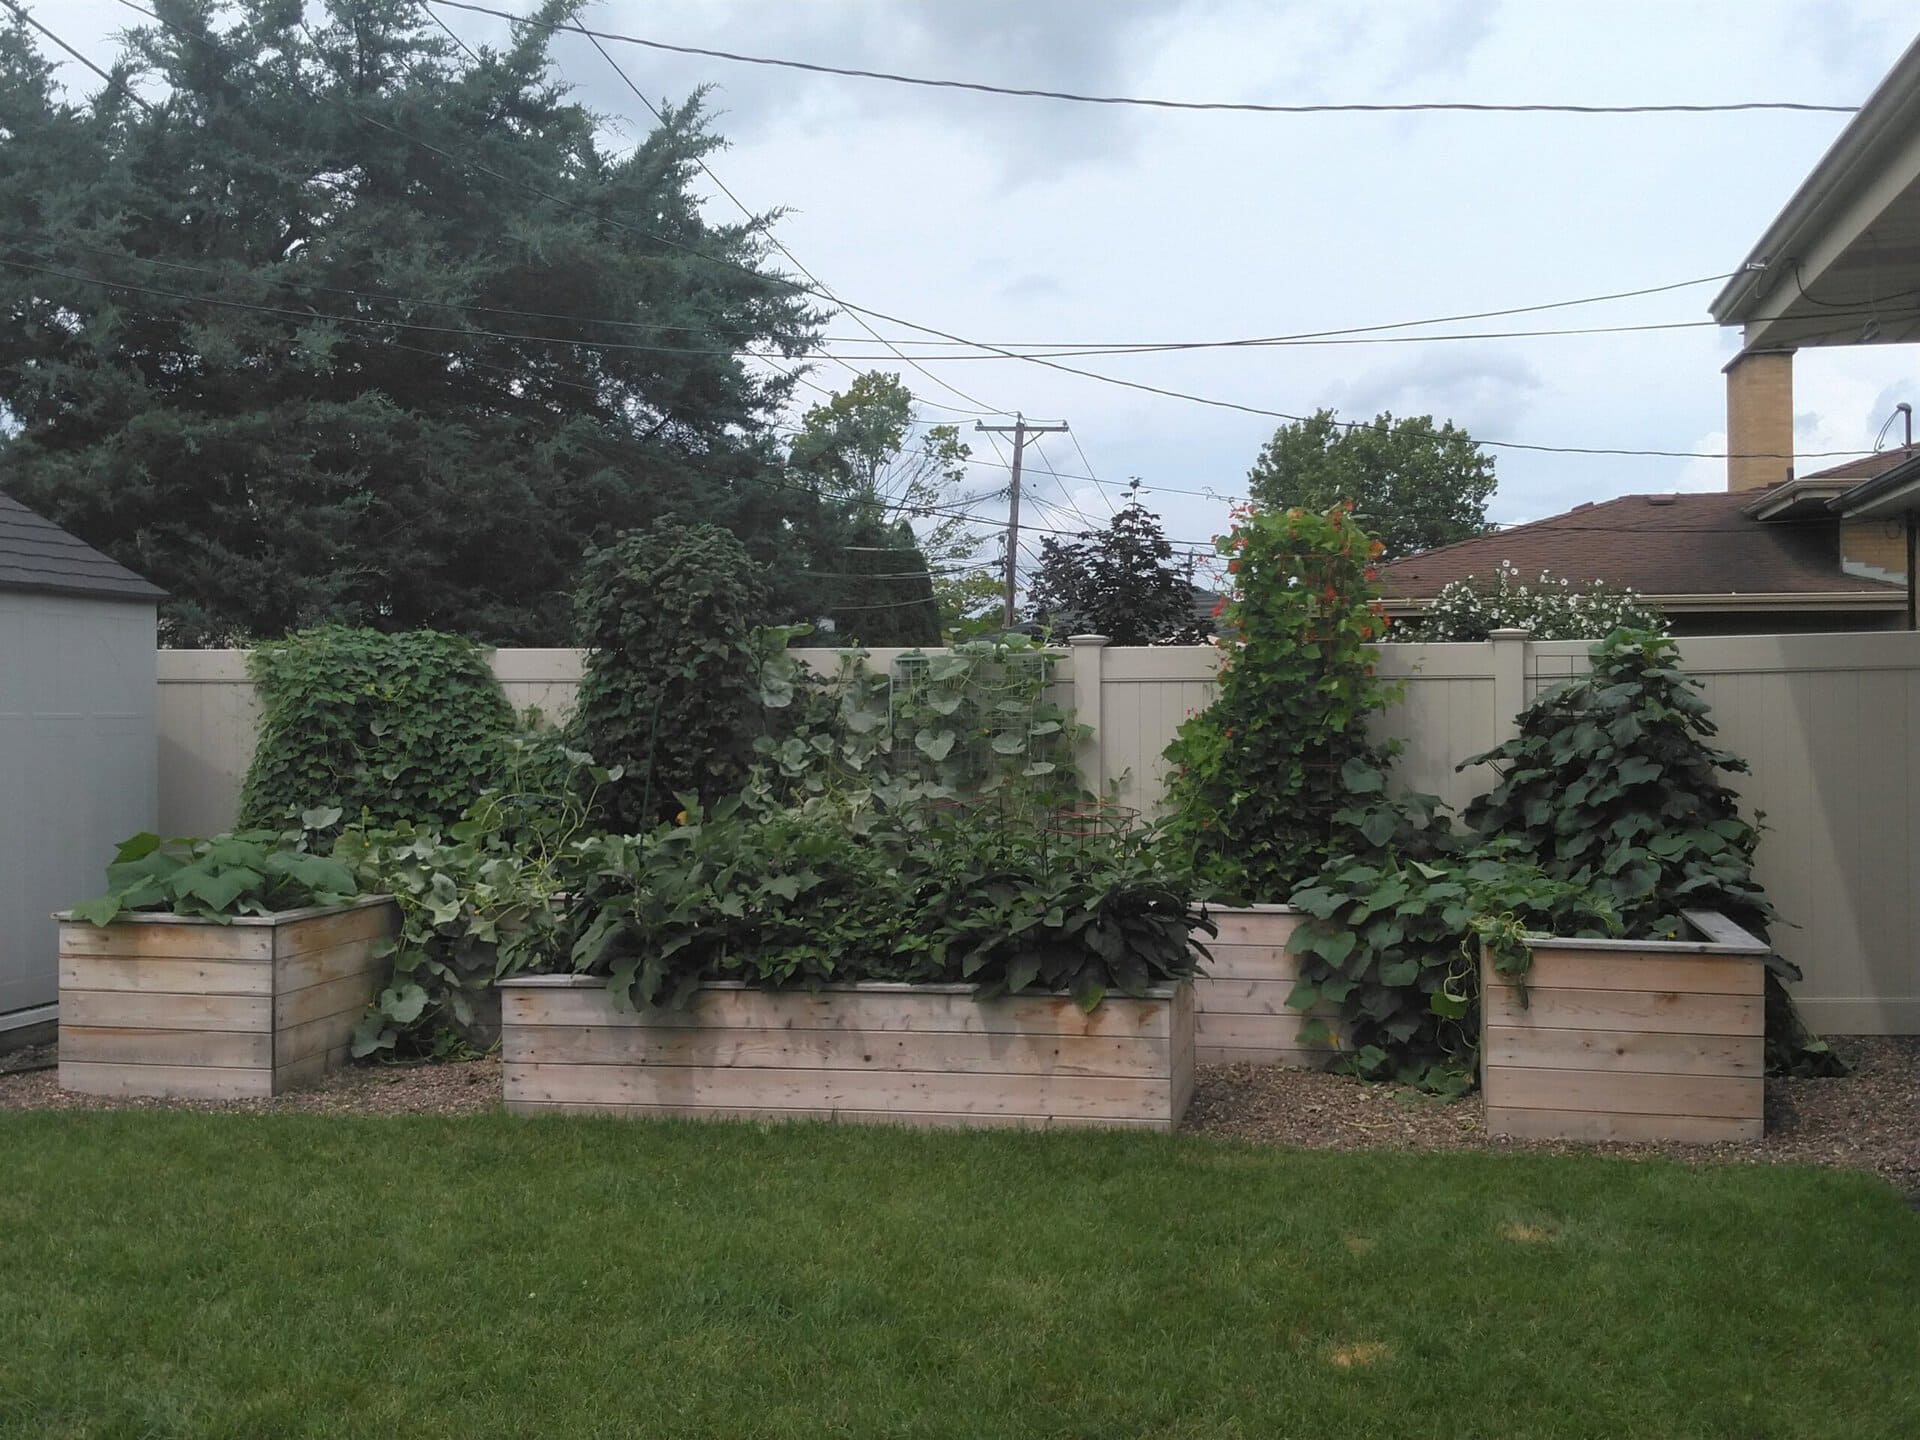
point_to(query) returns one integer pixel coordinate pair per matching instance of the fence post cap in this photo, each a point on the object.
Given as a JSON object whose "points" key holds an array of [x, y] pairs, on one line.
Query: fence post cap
{"points": [[1509, 633], [1086, 639]]}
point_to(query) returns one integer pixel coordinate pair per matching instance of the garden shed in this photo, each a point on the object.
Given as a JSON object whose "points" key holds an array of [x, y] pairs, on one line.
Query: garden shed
{"points": [[77, 740]]}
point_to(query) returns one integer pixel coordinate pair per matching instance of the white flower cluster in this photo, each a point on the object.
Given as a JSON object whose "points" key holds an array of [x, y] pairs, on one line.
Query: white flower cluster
{"points": [[1548, 609]]}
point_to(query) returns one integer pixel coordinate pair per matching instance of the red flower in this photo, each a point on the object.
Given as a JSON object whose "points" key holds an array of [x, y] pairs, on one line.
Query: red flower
{"points": [[1219, 605]]}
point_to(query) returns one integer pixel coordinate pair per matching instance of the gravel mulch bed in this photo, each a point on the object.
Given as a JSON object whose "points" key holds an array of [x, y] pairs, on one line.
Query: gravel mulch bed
{"points": [[1869, 1120], [459, 1087]]}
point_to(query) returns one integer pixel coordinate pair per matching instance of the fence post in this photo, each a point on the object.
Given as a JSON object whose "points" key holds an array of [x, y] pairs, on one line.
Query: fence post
{"points": [[1087, 666], [1509, 682]]}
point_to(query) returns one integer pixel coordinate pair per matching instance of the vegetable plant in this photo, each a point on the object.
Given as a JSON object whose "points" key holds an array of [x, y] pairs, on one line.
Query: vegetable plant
{"points": [[479, 899], [672, 694], [1613, 783], [385, 728], [1281, 772], [803, 898], [244, 872]]}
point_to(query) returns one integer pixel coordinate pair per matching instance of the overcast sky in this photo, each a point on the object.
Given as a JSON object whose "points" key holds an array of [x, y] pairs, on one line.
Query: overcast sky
{"points": [[1029, 220]]}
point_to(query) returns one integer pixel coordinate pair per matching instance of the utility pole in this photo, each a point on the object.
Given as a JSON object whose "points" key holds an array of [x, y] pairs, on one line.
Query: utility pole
{"points": [[1020, 430]]}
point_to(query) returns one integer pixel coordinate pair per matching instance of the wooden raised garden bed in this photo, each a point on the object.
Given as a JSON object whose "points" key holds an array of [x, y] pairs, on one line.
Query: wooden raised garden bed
{"points": [[914, 1054], [1240, 1004], [1630, 1039], [174, 1005]]}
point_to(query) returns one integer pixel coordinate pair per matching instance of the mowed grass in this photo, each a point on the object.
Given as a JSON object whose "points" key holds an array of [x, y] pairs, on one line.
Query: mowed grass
{"points": [[254, 1276]]}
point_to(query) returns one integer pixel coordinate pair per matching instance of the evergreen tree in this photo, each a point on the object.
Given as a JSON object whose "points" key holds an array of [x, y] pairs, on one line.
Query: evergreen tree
{"points": [[339, 325], [1120, 581]]}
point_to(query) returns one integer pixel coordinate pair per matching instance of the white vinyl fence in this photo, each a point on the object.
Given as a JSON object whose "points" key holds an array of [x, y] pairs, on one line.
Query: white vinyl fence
{"points": [[1827, 722]]}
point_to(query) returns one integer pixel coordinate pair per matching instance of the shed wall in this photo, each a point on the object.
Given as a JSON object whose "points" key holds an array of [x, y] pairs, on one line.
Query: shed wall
{"points": [[77, 769]]}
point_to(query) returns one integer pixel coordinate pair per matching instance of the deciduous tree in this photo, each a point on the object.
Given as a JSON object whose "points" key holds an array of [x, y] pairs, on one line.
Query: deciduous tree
{"points": [[1413, 484]]}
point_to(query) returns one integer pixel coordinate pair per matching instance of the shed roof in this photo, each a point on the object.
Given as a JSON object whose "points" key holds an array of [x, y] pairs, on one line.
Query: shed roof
{"points": [[36, 554], [1660, 545]]}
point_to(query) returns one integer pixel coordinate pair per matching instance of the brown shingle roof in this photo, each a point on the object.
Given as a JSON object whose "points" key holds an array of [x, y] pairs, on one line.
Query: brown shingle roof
{"points": [[36, 554], [1693, 544], [1865, 468]]}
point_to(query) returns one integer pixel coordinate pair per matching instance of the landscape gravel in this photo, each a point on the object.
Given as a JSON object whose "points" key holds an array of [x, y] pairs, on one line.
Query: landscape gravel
{"points": [[1867, 1120]]}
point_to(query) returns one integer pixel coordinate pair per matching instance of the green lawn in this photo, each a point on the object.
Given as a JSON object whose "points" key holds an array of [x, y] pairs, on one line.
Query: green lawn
{"points": [[267, 1276]]}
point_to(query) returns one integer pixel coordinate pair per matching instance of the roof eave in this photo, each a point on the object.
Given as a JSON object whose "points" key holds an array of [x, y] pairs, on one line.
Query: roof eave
{"points": [[1886, 117]]}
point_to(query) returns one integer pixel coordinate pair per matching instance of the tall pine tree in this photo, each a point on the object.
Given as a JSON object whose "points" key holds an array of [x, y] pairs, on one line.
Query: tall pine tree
{"points": [[336, 324]]}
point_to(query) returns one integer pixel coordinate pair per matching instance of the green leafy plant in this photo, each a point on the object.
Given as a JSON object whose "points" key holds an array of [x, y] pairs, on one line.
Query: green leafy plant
{"points": [[1391, 946], [385, 728], [672, 695], [479, 899], [1613, 783], [246, 872], [972, 722], [803, 898], [1280, 773]]}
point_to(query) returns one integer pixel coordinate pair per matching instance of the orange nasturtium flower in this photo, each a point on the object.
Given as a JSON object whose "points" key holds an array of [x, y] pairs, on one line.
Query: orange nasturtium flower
{"points": [[681, 818]]}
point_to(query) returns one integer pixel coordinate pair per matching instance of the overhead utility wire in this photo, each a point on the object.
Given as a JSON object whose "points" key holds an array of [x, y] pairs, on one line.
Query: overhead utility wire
{"points": [[77, 54], [821, 285], [1062, 346], [1157, 104], [630, 346], [1096, 375]]}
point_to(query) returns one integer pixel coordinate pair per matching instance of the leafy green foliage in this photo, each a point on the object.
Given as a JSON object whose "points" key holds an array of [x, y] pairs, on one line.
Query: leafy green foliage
{"points": [[245, 872], [972, 723], [479, 899], [388, 728], [805, 898], [1547, 609], [872, 576], [672, 693], [1613, 783], [1412, 483], [1392, 946], [1120, 581], [1280, 774], [304, 460]]}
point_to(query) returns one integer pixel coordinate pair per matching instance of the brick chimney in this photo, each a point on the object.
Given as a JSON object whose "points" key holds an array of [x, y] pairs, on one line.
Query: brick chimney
{"points": [[1759, 419]]}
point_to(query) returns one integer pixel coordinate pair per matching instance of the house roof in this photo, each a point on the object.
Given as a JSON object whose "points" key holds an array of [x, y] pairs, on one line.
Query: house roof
{"points": [[36, 554], [1840, 264], [1701, 547]]}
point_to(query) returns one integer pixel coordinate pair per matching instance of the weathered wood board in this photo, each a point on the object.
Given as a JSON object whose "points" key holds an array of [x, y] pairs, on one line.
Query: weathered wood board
{"points": [[173, 1006], [1629, 1040], [1240, 1004], [919, 1055]]}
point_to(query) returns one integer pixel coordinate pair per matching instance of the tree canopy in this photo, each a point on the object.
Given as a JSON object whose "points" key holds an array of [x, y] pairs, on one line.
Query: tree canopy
{"points": [[1121, 581], [336, 324], [1413, 484]]}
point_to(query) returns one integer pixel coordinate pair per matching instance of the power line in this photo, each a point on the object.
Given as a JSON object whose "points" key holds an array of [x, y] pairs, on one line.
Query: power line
{"points": [[819, 284], [1046, 349], [118, 83], [1157, 104]]}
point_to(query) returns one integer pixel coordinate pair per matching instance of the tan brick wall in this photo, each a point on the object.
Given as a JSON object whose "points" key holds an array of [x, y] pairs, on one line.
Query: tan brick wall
{"points": [[1759, 419], [1878, 544]]}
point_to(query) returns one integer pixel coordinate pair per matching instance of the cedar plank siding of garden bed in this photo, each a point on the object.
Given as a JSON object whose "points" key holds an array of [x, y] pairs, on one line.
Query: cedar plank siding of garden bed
{"points": [[176, 1006], [1240, 1004], [1630, 1040], [915, 1055]]}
